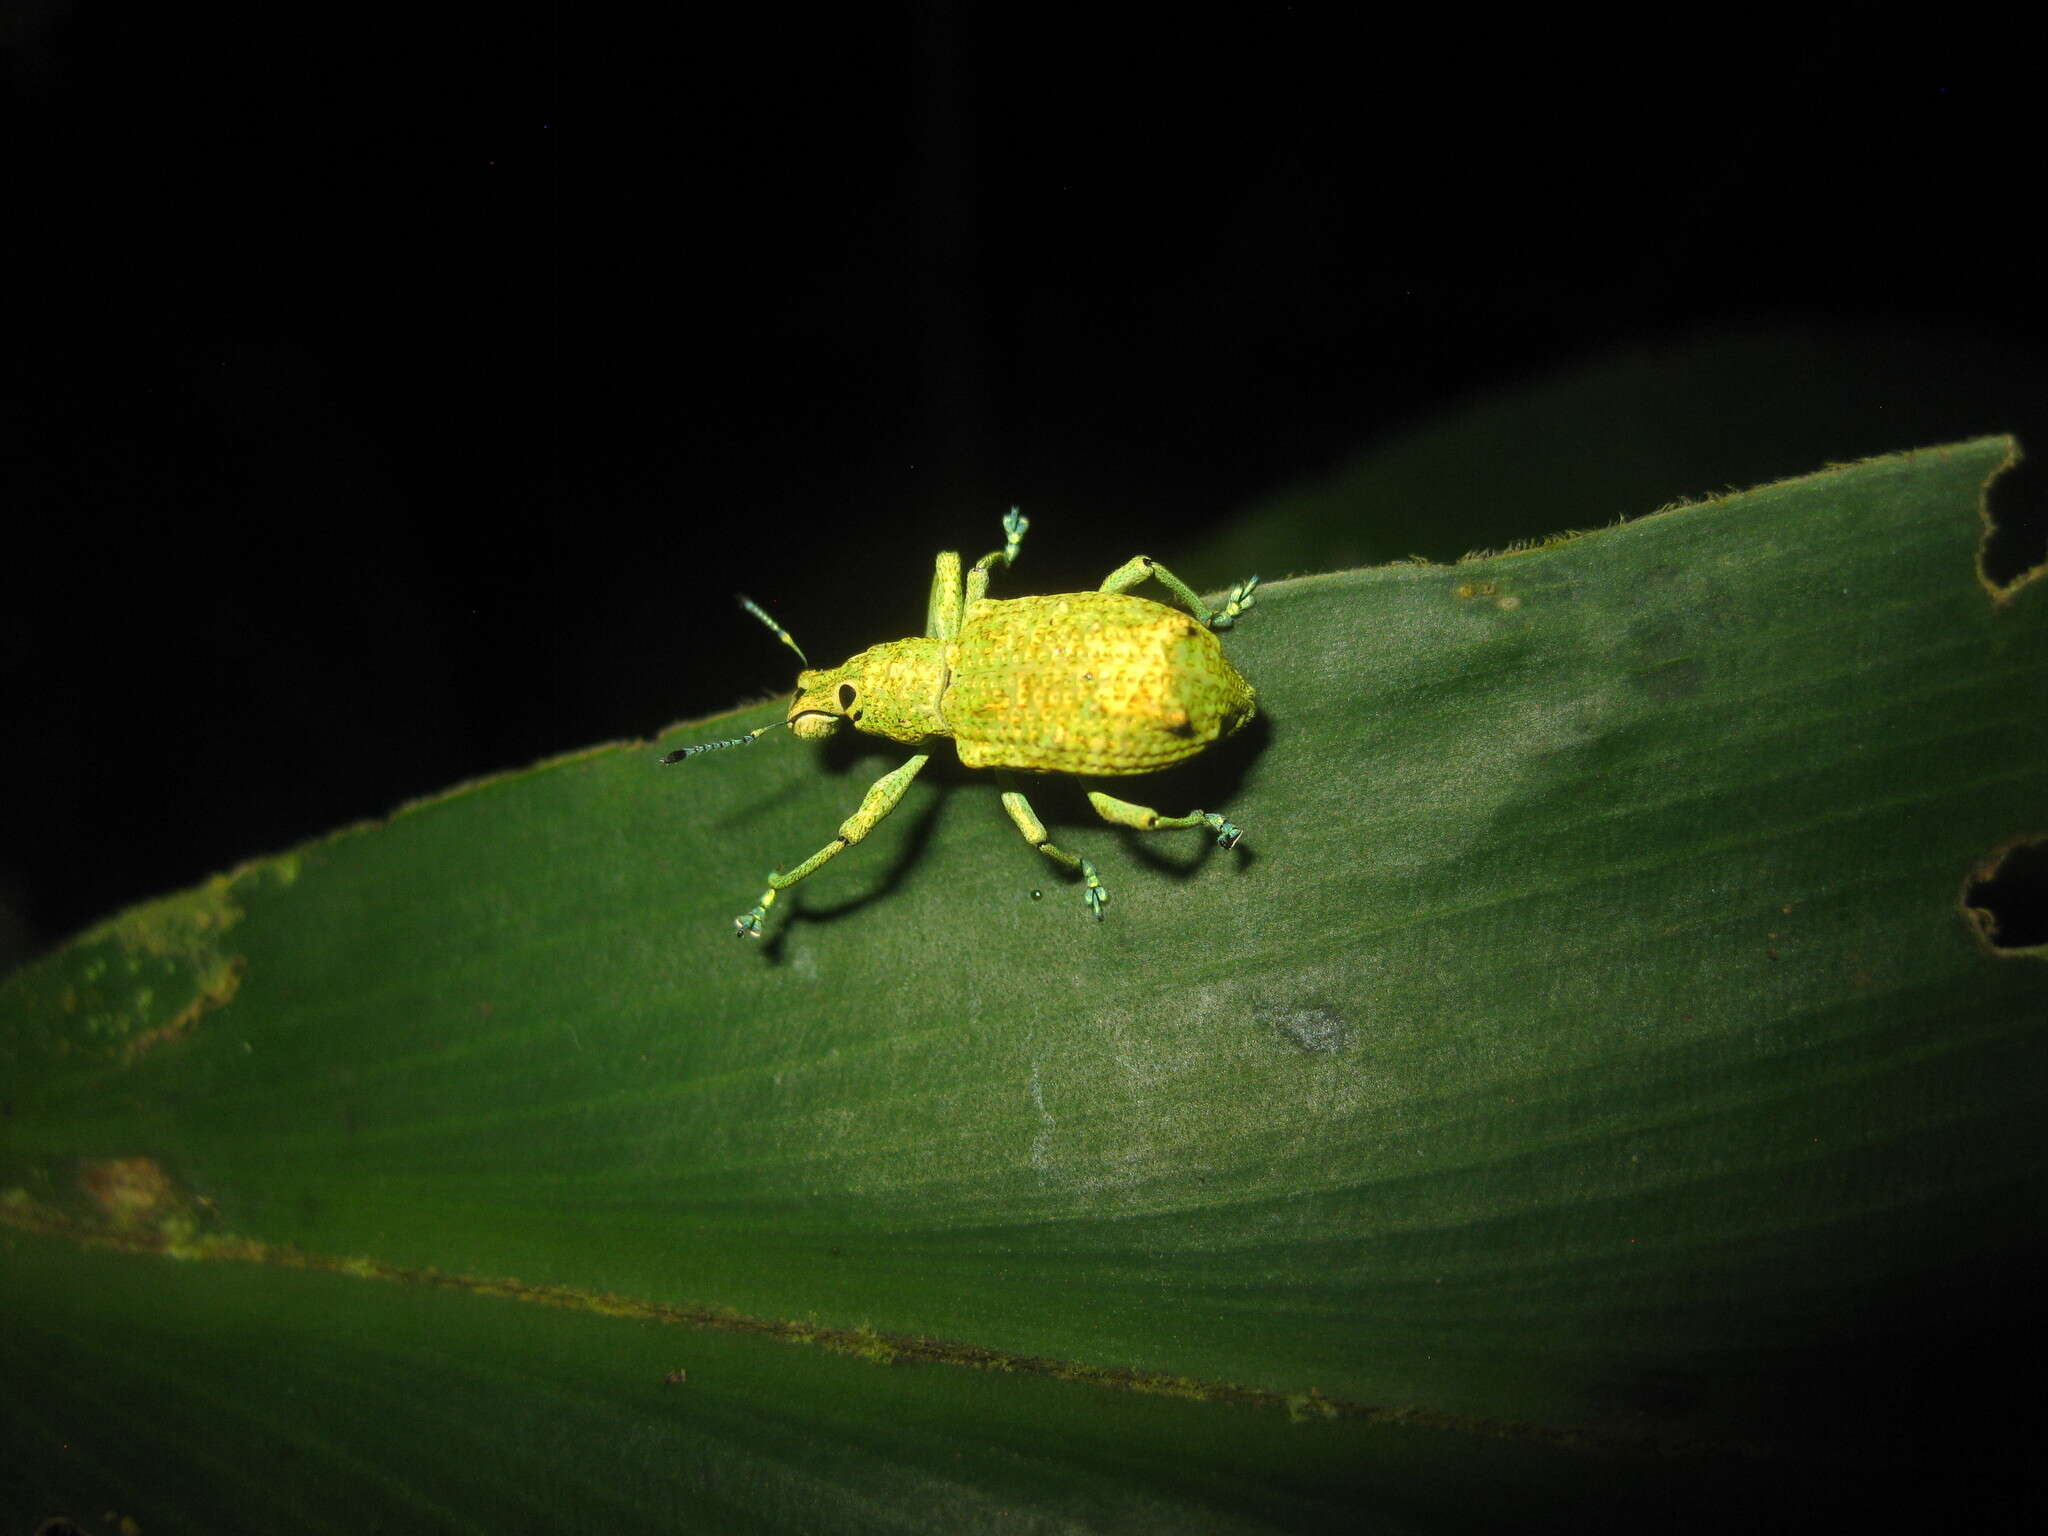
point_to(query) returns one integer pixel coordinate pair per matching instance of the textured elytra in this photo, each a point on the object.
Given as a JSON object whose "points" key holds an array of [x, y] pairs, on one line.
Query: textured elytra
{"points": [[1089, 683]]}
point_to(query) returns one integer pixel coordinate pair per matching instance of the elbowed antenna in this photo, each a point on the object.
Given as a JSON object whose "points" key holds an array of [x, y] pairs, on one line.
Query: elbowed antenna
{"points": [[780, 633], [740, 741], [713, 746]]}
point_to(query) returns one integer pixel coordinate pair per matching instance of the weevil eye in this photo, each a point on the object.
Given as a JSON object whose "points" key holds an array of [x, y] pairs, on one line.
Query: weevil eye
{"points": [[846, 695]]}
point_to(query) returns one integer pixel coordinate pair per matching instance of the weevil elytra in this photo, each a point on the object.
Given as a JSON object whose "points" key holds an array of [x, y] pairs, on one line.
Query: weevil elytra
{"points": [[1096, 684]]}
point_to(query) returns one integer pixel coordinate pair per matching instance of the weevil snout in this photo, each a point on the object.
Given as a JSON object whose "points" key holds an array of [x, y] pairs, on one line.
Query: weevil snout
{"points": [[824, 700], [814, 725]]}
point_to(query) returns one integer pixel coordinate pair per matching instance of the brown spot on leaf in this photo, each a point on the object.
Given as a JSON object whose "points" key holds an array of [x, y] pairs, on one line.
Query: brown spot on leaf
{"points": [[128, 1191]]}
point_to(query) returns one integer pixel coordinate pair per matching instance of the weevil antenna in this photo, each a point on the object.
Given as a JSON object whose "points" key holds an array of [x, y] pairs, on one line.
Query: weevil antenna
{"points": [[780, 633], [681, 753]]}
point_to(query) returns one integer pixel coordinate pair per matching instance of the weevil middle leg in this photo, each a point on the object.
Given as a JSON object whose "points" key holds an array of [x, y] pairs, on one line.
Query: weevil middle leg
{"points": [[1035, 834], [879, 801]]}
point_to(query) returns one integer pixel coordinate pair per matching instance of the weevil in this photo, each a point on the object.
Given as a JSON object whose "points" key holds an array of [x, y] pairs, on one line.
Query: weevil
{"points": [[1095, 684]]}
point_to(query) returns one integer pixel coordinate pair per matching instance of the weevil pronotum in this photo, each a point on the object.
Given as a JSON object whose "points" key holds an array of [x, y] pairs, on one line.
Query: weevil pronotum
{"points": [[1096, 684]]}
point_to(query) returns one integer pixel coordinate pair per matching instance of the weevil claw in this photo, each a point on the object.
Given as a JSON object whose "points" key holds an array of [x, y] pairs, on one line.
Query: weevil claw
{"points": [[1239, 600], [1094, 895]]}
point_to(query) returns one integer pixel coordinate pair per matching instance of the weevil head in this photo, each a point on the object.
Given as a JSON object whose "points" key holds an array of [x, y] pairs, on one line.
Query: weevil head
{"points": [[825, 698], [894, 690]]}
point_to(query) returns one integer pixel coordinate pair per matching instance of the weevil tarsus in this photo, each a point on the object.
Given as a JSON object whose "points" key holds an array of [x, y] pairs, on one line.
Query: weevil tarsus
{"points": [[1239, 598]]}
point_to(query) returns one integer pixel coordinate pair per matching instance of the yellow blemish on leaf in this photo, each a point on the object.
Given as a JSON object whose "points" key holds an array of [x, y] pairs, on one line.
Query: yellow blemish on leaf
{"points": [[140, 1175], [149, 974]]}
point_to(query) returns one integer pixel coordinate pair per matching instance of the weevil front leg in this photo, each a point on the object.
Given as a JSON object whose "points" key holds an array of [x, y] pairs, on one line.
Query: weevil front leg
{"points": [[1123, 813], [879, 801], [1138, 567], [1014, 524], [1035, 834], [943, 612]]}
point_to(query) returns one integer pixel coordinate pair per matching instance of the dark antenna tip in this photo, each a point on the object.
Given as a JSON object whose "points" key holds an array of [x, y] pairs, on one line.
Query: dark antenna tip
{"points": [[681, 753]]}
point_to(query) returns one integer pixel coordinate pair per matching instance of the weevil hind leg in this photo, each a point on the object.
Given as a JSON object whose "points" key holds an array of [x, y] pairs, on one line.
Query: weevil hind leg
{"points": [[1122, 813], [1139, 567], [879, 801], [1027, 821]]}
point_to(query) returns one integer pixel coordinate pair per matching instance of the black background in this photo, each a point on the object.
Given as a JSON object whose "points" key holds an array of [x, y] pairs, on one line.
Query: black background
{"points": [[387, 402]]}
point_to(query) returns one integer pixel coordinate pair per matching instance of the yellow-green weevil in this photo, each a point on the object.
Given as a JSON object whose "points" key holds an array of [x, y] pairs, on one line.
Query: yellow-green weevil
{"points": [[1095, 684]]}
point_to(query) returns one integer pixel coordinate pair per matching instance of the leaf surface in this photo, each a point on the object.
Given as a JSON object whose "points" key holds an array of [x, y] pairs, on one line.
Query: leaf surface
{"points": [[1586, 1054]]}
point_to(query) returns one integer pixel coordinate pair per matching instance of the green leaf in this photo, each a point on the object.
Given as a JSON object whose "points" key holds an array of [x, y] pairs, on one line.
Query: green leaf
{"points": [[1584, 1077]]}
